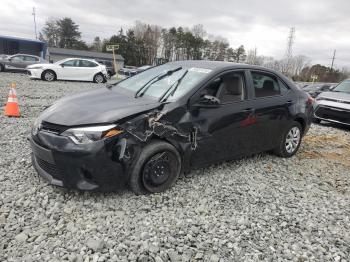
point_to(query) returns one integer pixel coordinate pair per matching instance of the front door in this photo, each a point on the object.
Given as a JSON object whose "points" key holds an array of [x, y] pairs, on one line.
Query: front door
{"points": [[68, 70], [222, 130]]}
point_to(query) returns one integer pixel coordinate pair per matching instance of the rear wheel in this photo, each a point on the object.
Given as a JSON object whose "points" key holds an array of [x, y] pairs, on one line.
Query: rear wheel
{"points": [[109, 74], [99, 78], [48, 75], [156, 169], [316, 121], [290, 141]]}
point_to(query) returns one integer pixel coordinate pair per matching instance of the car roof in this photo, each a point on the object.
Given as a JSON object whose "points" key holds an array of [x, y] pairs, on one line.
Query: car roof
{"points": [[26, 55], [216, 65], [71, 58]]}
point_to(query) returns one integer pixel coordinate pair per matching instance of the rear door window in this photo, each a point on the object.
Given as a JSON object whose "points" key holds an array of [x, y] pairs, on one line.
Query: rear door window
{"points": [[85, 63], [266, 85], [30, 59]]}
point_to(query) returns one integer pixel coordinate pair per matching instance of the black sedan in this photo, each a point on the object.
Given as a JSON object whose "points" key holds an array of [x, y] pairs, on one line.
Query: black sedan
{"points": [[146, 130]]}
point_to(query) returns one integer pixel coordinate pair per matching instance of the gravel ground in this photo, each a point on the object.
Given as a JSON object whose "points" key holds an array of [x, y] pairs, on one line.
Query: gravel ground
{"points": [[260, 208]]}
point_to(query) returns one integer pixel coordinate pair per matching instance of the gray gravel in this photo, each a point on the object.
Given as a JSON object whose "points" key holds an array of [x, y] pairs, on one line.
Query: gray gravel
{"points": [[260, 208]]}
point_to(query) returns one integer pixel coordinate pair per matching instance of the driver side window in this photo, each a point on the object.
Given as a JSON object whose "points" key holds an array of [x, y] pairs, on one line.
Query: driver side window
{"points": [[228, 88]]}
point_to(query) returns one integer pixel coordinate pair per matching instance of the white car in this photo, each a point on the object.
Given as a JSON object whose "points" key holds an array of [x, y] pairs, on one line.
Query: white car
{"points": [[70, 69]]}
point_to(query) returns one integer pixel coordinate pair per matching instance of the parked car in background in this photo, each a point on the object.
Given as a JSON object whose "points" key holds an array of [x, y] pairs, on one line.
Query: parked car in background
{"points": [[109, 66], [315, 89], [334, 105], [145, 130], [143, 68], [19, 62], [126, 73], [70, 69]]}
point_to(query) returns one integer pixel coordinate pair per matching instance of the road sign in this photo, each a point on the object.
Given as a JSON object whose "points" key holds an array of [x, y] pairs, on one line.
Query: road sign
{"points": [[112, 47]]}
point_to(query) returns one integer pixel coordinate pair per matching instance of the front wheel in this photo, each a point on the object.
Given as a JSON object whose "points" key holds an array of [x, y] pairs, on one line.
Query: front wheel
{"points": [[290, 141], [99, 78], [2, 68], [156, 169], [48, 75]]}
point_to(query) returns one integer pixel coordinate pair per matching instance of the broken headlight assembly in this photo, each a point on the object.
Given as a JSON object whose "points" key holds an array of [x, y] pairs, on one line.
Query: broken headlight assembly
{"points": [[86, 135]]}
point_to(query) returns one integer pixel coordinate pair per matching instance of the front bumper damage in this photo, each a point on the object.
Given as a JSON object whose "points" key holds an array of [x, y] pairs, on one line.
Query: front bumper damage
{"points": [[85, 167], [103, 165]]}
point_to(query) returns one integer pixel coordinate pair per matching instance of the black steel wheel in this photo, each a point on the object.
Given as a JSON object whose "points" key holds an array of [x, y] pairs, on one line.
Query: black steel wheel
{"points": [[156, 169]]}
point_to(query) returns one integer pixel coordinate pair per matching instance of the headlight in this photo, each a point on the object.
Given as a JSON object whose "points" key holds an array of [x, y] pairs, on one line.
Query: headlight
{"points": [[85, 135], [36, 126]]}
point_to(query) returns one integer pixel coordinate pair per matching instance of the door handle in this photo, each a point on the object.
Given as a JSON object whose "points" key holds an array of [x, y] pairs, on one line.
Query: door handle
{"points": [[248, 110]]}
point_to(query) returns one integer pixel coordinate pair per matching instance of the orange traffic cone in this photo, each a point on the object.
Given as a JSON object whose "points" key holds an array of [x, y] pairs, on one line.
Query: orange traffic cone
{"points": [[11, 108]]}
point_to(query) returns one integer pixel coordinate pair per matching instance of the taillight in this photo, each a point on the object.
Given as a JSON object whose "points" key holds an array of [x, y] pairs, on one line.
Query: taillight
{"points": [[310, 101]]}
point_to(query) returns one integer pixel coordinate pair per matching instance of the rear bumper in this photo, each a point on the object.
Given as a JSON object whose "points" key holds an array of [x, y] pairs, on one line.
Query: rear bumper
{"points": [[62, 163]]}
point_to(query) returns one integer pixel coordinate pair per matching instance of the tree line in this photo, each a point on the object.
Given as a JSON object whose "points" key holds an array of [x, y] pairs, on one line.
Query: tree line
{"points": [[142, 42]]}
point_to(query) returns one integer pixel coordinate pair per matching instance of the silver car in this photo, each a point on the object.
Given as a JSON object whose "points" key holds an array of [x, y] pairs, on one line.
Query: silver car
{"points": [[334, 106], [19, 62]]}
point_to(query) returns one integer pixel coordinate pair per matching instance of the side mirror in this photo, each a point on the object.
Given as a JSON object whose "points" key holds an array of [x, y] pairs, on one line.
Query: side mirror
{"points": [[62, 65], [208, 101]]}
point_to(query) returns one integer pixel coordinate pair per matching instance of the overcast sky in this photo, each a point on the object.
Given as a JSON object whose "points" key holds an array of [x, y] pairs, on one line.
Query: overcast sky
{"points": [[321, 25]]}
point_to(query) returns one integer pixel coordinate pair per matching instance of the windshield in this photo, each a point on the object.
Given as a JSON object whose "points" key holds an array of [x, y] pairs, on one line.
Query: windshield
{"points": [[343, 87], [157, 88]]}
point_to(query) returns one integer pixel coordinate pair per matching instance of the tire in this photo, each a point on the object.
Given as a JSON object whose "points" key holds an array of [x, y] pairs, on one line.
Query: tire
{"points": [[109, 75], [147, 174], [316, 121], [99, 78], [48, 75], [2, 68], [290, 141]]}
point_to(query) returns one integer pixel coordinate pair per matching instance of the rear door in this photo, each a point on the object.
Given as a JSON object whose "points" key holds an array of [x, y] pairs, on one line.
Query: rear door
{"points": [[272, 100], [29, 60], [86, 70]]}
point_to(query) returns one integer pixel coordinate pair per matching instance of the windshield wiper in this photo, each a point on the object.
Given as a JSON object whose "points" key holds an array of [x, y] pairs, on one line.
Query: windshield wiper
{"points": [[167, 93], [153, 80]]}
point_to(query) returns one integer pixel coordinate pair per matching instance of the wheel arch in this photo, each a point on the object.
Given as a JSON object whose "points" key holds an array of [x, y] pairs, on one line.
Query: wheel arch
{"points": [[302, 122]]}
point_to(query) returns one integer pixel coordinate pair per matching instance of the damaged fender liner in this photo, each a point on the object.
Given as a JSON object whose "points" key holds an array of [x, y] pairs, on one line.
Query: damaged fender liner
{"points": [[146, 125]]}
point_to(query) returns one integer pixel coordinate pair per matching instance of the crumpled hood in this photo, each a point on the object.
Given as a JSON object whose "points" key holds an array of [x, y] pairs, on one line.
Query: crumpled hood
{"points": [[335, 95], [96, 107]]}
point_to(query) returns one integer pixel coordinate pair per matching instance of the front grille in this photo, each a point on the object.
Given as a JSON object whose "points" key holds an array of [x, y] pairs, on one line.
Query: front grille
{"points": [[335, 100], [49, 168], [52, 128], [333, 114]]}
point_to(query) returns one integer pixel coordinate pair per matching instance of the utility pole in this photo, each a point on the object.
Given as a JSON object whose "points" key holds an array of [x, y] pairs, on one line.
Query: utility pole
{"points": [[289, 50], [333, 59], [36, 36]]}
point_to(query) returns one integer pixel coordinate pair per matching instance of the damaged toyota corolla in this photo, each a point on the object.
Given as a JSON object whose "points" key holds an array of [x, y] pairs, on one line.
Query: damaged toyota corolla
{"points": [[146, 130]]}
